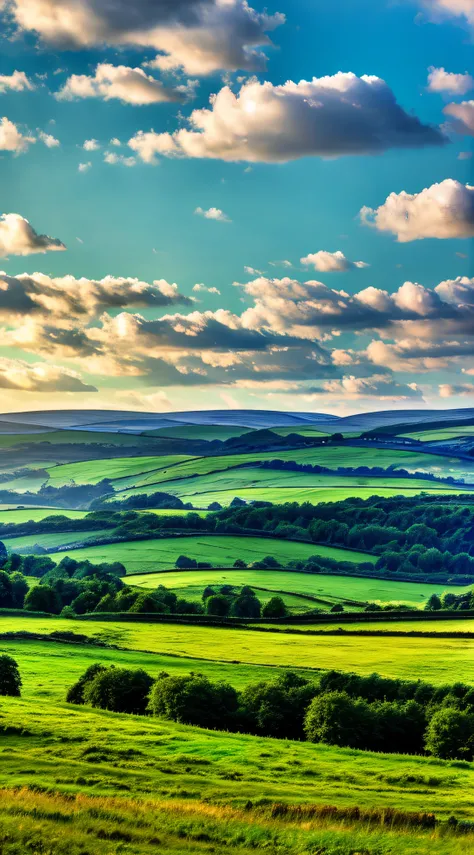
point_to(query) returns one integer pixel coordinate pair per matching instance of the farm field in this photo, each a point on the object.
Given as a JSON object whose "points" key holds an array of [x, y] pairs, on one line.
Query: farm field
{"points": [[93, 471], [168, 788], [435, 660], [206, 432], [220, 550], [191, 583]]}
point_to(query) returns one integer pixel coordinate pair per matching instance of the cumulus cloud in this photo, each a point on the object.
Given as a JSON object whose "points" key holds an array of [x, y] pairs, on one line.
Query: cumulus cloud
{"points": [[67, 297], [444, 210], [11, 138], [381, 386], [84, 167], [448, 390], [463, 9], [128, 85], [331, 262], [440, 80], [462, 116], [200, 288], [91, 145], [213, 214], [18, 237], [114, 159], [48, 140], [15, 374], [325, 117], [200, 36], [16, 82]]}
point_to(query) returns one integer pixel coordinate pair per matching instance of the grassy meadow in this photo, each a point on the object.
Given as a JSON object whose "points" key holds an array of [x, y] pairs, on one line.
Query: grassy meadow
{"points": [[219, 550]]}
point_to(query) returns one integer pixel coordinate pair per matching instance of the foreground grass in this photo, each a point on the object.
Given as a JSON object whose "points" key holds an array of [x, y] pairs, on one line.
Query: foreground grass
{"points": [[433, 659], [220, 550], [81, 782]]}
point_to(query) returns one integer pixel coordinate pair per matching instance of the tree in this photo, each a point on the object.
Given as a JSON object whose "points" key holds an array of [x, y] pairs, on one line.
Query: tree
{"points": [[75, 694], [3, 554], [337, 719], [119, 690], [6, 593], [450, 734], [246, 607], [237, 503], [239, 563], [275, 608], [208, 592], [195, 700], [337, 608], [185, 563], [214, 506], [10, 680], [277, 708], [42, 598], [148, 603], [19, 589], [433, 604], [217, 605]]}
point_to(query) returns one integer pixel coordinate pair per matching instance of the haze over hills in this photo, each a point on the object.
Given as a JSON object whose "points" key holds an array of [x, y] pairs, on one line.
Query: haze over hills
{"points": [[124, 421]]}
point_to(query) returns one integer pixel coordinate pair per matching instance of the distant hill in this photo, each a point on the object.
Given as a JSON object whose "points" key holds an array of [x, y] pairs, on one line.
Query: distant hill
{"points": [[123, 421]]}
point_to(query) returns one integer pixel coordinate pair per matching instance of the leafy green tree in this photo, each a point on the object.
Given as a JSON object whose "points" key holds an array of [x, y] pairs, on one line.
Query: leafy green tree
{"points": [[85, 602], [108, 603], [450, 734], [433, 604], [10, 680], [42, 598], [275, 608], [208, 592], [75, 694], [337, 719], [19, 589], [3, 554], [194, 699], [246, 607], [6, 592], [119, 690], [239, 563], [185, 563], [218, 605], [148, 603], [337, 608]]}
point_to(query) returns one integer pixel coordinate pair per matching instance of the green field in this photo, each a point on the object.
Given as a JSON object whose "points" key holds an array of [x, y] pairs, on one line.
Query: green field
{"points": [[191, 583], [196, 432], [219, 550], [23, 515], [52, 539], [93, 471], [437, 434]]}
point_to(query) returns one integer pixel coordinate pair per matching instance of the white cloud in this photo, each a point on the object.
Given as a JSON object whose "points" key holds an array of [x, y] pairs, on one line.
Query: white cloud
{"points": [[129, 85], [213, 214], [440, 80], [116, 142], [18, 237], [448, 390], [381, 386], [462, 116], [11, 138], [444, 210], [39, 377], [463, 9], [329, 262], [16, 82], [114, 159], [91, 145], [84, 167], [326, 117], [283, 263], [200, 288], [48, 140], [200, 36]]}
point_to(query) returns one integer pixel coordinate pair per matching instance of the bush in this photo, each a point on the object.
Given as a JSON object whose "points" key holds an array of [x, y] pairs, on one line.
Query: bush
{"points": [[6, 593], [337, 608], [148, 603], [275, 608], [246, 606], [277, 708], [75, 694], [195, 700], [10, 680], [337, 719], [119, 690], [450, 734], [185, 563]]}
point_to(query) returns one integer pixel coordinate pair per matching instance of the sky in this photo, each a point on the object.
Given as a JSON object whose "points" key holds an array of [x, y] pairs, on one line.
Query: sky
{"points": [[216, 203]]}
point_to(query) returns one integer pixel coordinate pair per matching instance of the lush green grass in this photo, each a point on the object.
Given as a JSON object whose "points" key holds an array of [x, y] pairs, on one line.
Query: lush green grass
{"points": [[219, 550], [441, 433], [436, 660], [334, 588], [17, 516], [83, 782], [93, 471], [52, 539]]}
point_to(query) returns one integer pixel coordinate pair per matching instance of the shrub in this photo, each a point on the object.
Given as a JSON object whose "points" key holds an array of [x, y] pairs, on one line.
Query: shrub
{"points": [[277, 708], [208, 592], [195, 700], [337, 608], [185, 563], [148, 603], [246, 606], [337, 719], [275, 608], [10, 680], [119, 690], [433, 604], [75, 694]]}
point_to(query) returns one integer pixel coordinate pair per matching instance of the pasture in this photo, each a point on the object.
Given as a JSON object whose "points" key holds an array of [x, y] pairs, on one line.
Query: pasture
{"points": [[51, 539], [22, 515], [219, 550], [191, 583], [117, 468]]}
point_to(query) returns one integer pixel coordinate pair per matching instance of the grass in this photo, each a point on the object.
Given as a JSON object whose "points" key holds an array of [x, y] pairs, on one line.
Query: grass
{"points": [[441, 433], [220, 550], [18, 516], [333, 588], [196, 432], [82, 782], [52, 539], [93, 471], [436, 660]]}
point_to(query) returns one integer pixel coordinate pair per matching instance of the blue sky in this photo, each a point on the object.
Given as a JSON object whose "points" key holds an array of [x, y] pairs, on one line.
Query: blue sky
{"points": [[281, 174]]}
